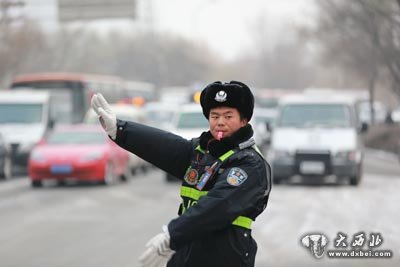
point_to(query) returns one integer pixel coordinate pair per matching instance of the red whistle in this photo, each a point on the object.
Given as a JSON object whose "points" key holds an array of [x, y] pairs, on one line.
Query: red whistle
{"points": [[219, 135]]}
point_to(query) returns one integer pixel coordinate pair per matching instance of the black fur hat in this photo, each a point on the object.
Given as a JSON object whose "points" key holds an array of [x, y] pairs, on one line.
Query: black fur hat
{"points": [[233, 94]]}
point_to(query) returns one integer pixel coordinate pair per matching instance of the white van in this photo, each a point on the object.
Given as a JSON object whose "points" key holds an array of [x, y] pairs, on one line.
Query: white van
{"points": [[317, 137], [25, 119]]}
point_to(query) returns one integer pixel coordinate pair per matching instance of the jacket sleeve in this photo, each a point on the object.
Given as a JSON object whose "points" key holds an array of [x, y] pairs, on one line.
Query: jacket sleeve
{"points": [[165, 150], [223, 203]]}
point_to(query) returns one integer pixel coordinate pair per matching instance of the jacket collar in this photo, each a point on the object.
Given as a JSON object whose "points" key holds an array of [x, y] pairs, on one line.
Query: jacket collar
{"points": [[218, 148]]}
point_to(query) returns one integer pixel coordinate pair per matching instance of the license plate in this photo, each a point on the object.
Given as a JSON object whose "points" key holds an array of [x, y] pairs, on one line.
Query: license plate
{"points": [[61, 169], [312, 167]]}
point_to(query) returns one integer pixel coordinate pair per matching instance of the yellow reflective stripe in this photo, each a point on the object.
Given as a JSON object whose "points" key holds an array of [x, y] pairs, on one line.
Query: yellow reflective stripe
{"points": [[226, 155], [195, 194], [192, 193], [242, 221], [198, 148]]}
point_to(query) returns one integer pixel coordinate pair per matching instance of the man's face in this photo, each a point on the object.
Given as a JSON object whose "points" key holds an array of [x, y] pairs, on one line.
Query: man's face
{"points": [[226, 120]]}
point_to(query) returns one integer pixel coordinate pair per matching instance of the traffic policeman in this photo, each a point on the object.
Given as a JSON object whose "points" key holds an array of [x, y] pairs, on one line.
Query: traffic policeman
{"points": [[225, 180]]}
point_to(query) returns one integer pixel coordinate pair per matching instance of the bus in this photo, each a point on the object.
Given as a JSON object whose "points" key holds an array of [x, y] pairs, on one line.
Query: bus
{"points": [[71, 92]]}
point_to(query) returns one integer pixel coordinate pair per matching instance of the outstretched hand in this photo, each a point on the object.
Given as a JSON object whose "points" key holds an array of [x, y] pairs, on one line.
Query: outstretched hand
{"points": [[107, 117]]}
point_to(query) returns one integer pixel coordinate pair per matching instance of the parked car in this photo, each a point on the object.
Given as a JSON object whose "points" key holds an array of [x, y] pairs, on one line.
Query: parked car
{"points": [[316, 137], [78, 152], [5, 160], [189, 122], [129, 113]]}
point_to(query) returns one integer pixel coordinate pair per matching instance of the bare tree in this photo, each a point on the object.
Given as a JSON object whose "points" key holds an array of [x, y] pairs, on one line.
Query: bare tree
{"points": [[362, 36], [19, 47]]}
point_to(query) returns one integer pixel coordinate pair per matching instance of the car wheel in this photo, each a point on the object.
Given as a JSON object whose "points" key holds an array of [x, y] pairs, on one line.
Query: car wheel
{"points": [[355, 180], [7, 170], [127, 174], [133, 170], [36, 183]]}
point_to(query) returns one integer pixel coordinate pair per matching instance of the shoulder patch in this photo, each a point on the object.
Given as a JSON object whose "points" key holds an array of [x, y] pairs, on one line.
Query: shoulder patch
{"points": [[191, 176], [236, 176]]}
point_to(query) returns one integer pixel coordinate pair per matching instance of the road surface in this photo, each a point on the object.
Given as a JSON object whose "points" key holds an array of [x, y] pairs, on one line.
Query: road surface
{"points": [[86, 225]]}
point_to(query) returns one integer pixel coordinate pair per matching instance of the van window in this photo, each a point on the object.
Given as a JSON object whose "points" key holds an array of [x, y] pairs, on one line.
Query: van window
{"points": [[312, 115], [21, 113]]}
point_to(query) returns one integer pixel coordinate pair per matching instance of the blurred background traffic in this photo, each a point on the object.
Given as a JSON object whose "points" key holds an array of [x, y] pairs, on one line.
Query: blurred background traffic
{"points": [[326, 80]]}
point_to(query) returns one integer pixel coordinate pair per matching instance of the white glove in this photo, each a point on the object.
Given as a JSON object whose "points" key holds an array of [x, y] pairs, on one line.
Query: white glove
{"points": [[158, 251], [107, 117]]}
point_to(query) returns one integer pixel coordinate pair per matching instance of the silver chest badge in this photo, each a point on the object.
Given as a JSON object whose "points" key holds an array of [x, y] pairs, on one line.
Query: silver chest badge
{"points": [[220, 96]]}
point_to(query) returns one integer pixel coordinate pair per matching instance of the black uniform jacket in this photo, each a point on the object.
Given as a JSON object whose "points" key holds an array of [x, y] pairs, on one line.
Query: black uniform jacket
{"points": [[205, 233]]}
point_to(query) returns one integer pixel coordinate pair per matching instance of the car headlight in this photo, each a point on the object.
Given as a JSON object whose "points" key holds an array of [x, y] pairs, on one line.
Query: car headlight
{"points": [[352, 155], [92, 156]]}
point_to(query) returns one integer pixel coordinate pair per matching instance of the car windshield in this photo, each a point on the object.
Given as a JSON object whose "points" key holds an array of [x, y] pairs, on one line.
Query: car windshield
{"points": [[83, 137], [21, 113], [190, 120], [315, 115]]}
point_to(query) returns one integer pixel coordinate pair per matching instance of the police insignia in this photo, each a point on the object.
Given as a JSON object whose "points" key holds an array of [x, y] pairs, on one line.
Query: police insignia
{"points": [[191, 176], [220, 96], [236, 176]]}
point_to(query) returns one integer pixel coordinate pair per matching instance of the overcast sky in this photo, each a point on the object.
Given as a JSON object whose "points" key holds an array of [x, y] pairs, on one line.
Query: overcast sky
{"points": [[225, 25]]}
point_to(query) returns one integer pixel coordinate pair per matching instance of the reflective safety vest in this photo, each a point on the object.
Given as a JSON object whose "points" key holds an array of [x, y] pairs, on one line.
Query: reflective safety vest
{"points": [[193, 194]]}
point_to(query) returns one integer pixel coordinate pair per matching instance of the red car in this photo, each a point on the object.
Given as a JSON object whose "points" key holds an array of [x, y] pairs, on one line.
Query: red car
{"points": [[79, 152]]}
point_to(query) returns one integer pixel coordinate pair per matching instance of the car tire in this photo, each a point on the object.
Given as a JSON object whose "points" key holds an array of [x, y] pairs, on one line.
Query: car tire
{"points": [[127, 174], [355, 180], [36, 183]]}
